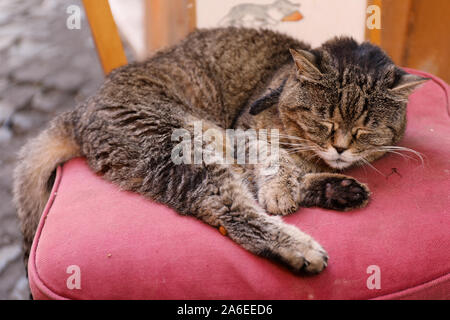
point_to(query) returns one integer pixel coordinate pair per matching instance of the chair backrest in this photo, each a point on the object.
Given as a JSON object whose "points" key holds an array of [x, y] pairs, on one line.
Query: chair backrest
{"points": [[105, 34]]}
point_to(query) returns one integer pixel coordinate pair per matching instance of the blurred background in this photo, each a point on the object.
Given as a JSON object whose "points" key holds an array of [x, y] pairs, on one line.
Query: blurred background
{"points": [[51, 59]]}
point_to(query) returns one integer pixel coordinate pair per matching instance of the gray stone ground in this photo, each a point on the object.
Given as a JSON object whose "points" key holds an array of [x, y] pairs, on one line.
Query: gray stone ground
{"points": [[45, 68]]}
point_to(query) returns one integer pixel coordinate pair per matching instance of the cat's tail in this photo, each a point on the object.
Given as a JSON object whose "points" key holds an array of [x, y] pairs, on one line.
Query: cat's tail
{"points": [[34, 174]]}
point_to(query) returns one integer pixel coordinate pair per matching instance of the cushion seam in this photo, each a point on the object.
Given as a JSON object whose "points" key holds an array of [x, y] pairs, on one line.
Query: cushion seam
{"points": [[412, 290], [38, 282], [441, 83]]}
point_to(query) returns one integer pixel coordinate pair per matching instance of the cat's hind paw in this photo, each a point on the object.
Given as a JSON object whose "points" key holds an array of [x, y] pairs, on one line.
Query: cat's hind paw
{"points": [[298, 251]]}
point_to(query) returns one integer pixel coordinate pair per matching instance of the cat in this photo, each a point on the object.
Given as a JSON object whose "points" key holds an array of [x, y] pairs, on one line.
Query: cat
{"points": [[336, 106], [258, 15]]}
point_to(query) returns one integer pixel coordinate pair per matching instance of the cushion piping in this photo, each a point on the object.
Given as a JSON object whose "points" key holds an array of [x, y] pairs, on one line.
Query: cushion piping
{"points": [[38, 283]]}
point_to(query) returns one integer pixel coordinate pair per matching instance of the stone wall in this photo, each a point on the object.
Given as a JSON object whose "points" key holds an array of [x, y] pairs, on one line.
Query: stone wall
{"points": [[45, 68]]}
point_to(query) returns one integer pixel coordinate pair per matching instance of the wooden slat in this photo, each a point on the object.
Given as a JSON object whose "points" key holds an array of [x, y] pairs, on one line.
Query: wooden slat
{"points": [[396, 19], [105, 34], [415, 34], [374, 35], [168, 21], [192, 15], [428, 45]]}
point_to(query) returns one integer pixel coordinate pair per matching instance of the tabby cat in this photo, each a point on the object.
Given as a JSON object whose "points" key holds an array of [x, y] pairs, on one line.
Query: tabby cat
{"points": [[340, 105]]}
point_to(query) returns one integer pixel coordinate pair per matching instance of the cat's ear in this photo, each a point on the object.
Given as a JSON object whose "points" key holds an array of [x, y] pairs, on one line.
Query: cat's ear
{"points": [[306, 63], [407, 83]]}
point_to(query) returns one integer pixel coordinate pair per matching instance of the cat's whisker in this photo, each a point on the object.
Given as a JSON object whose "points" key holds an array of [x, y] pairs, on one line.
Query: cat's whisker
{"points": [[299, 140], [398, 148], [307, 142], [299, 150], [289, 136], [298, 146], [371, 166], [302, 147], [404, 156], [294, 138], [362, 164], [292, 144]]}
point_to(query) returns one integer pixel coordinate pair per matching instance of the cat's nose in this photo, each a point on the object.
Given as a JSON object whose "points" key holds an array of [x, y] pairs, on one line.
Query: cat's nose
{"points": [[340, 149]]}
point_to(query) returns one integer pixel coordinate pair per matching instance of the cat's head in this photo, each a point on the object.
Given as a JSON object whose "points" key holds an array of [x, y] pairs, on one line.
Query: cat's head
{"points": [[347, 101]]}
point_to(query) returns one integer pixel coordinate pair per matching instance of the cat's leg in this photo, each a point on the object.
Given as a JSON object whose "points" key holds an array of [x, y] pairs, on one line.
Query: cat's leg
{"points": [[277, 180], [283, 194], [217, 193], [222, 199], [295, 183], [278, 177]]}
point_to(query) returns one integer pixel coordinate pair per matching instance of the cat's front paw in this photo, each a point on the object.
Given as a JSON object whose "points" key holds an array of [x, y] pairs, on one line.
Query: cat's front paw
{"points": [[277, 199], [336, 192]]}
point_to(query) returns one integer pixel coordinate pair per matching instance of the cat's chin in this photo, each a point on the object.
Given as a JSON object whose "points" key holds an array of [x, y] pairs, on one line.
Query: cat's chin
{"points": [[338, 164]]}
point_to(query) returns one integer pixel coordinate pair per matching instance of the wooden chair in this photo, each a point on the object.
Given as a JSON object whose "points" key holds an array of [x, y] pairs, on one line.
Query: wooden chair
{"points": [[172, 19]]}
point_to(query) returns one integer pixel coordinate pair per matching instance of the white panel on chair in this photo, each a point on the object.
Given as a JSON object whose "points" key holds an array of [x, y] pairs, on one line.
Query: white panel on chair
{"points": [[313, 21]]}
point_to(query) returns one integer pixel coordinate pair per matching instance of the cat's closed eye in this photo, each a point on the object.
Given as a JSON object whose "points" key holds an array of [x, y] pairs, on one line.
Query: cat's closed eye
{"points": [[370, 137], [301, 108], [357, 132], [331, 127]]}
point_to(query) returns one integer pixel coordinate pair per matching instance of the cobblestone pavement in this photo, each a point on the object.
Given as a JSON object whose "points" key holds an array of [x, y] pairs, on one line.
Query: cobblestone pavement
{"points": [[45, 68]]}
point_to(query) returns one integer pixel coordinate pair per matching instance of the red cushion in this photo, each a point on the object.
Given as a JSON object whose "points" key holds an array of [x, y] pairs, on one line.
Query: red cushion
{"points": [[127, 247]]}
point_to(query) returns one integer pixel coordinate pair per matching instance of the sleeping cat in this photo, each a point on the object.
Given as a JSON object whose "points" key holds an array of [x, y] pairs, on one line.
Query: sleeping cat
{"points": [[340, 105]]}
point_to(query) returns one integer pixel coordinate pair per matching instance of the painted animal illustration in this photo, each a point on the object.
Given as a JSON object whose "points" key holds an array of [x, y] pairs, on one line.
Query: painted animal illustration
{"points": [[261, 15]]}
